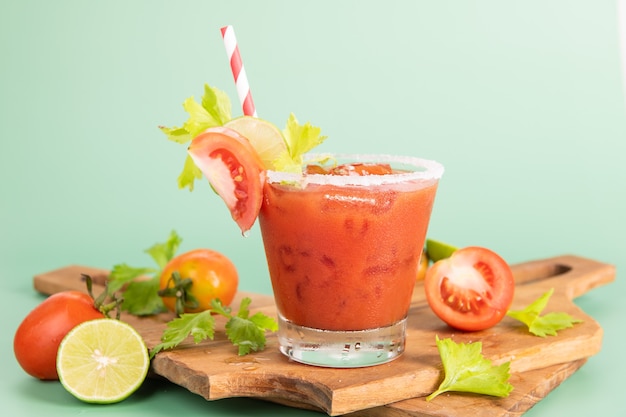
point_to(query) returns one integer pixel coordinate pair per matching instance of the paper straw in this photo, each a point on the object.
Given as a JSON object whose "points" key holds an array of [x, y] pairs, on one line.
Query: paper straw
{"points": [[239, 72]]}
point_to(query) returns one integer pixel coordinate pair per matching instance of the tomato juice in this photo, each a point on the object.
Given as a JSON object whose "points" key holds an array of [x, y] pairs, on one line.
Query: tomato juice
{"points": [[343, 251]]}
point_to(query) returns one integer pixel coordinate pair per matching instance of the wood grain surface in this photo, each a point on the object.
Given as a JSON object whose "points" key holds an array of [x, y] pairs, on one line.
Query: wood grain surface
{"points": [[213, 369]]}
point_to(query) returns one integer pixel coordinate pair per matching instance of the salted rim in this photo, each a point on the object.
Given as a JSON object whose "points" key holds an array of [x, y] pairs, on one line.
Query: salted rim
{"points": [[430, 170]]}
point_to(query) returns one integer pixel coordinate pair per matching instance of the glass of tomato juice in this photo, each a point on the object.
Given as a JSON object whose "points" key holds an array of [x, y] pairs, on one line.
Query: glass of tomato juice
{"points": [[343, 247]]}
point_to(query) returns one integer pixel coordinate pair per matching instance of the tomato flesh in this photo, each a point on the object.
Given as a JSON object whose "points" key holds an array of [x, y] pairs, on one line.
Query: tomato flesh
{"points": [[357, 168], [472, 290], [363, 169], [38, 337], [239, 178], [213, 276], [234, 169]]}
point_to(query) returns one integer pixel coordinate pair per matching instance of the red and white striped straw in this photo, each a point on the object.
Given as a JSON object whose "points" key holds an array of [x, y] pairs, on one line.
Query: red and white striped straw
{"points": [[239, 72]]}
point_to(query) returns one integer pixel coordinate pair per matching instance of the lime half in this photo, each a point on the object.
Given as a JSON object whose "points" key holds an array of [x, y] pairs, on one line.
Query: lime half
{"points": [[266, 138], [438, 250], [102, 361]]}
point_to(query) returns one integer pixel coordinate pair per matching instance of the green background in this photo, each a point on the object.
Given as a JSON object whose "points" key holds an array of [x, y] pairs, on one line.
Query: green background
{"points": [[521, 101]]}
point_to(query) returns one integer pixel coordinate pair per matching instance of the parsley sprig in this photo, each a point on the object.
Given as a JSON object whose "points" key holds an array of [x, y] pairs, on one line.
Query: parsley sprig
{"points": [[141, 296], [467, 370], [543, 325], [244, 331]]}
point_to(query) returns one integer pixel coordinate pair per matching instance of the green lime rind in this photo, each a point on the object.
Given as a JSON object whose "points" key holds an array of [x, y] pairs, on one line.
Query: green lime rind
{"points": [[437, 250], [102, 361], [265, 137]]}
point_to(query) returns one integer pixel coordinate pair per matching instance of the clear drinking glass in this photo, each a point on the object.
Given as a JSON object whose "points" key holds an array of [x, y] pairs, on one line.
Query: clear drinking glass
{"points": [[343, 254]]}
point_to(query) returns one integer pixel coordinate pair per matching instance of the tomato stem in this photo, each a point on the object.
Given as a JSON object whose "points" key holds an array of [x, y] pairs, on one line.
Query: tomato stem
{"points": [[180, 288], [115, 302]]}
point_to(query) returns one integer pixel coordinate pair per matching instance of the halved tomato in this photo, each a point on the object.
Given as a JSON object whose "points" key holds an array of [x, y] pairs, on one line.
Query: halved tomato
{"points": [[234, 170], [471, 290]]}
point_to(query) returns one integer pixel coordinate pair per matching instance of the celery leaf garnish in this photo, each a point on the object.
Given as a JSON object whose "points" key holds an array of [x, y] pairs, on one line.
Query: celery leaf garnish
{"points": [[467, 370], [300, 139], [548, 324], [214, 110]]}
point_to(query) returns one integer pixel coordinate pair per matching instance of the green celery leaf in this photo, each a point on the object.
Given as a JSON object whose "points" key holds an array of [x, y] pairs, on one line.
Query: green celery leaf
{"points": [[141, 298], [300, 139], [189, 174], [551, 323], [286, 163], [548, 324], [215, 110], [198, 325], [199, 119], [217, 105], [162, 253], [466, 370], [122, 274], [176, 134], [532, 311]]}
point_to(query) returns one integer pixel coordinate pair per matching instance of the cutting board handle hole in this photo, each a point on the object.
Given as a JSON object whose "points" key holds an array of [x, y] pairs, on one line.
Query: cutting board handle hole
{"points": [[543, 271]]}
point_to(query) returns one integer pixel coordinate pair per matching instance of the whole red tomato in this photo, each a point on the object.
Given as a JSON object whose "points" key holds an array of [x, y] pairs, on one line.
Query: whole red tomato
{"points": [[212, 276], [37, 339], [471, 290]]}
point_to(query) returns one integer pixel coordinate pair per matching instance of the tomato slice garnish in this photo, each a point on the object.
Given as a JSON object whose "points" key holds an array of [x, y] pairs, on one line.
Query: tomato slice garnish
{"points": [[234, 169], [471, 290]]}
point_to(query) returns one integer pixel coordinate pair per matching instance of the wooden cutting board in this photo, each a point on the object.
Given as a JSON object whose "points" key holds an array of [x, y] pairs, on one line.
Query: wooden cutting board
{"points": [[213, 369]]}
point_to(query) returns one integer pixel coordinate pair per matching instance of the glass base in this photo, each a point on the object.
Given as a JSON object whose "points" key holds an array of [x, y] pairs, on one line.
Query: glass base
{"points": [[341, 349]]}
